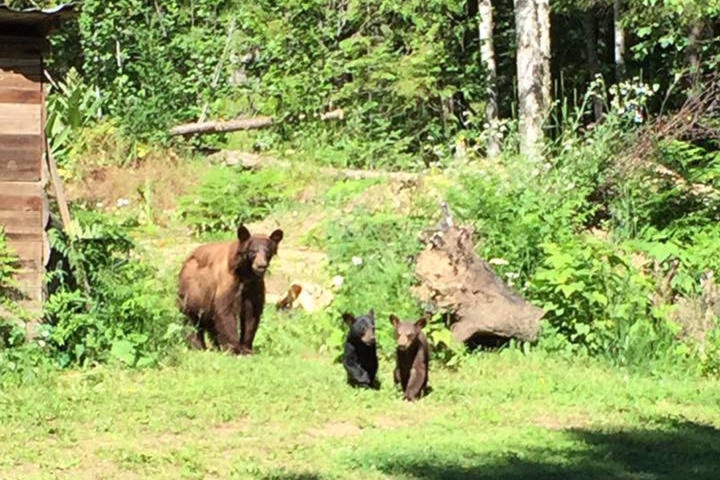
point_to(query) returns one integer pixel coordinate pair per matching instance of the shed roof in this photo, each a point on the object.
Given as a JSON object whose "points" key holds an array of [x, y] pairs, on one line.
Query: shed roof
{"points": [[33, 22]]}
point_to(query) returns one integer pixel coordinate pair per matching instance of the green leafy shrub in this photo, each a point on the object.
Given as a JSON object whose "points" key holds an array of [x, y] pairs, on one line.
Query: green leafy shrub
{"points": [[373, 252], [19, 359], [8, 266], [227, 197], [596, 299], [109, 305], [11, 333], [709, 355], [513, 218], [71, 105], [535, 218], [155, 63]]}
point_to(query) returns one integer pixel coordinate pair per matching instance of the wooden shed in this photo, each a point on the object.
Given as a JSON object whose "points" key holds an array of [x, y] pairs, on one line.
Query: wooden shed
{"points": [[24, 211]]}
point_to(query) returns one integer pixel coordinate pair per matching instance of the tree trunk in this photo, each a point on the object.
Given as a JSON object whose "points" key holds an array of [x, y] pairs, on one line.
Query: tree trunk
{"points": [[692, 53], [619, 41], [543, 13], [532, 24], [590, 27], [487, 57]]}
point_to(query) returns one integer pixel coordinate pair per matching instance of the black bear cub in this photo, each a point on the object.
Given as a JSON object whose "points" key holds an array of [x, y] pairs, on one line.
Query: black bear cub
{"points": [[360, 355], [412, 355]]}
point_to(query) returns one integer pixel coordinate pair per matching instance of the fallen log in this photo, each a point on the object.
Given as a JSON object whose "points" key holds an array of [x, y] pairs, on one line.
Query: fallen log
{"points": [[250, 123], [455, 280], [222, 126]]}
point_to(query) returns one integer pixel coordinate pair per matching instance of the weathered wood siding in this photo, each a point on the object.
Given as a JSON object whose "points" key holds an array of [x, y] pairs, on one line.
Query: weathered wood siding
{"points": [[23, 205]]}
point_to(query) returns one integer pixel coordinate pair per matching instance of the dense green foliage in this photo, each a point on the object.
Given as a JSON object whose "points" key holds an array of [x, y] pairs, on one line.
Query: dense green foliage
{"points": [[107, 304], [373, 252], [154, 63], [19, 359], [403, 72], [11, 332], [227, 197], [591, 243]]}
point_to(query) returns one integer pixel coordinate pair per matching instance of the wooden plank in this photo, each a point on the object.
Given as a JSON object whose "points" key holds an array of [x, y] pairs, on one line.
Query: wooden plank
{"points": [[20, 119], [25, 47], [20, 142], [25, 203], [21, 196], [20, 162], [15, 95], [30, 283], [21, 111], [31, 236], [11, 62], [21, 222], [22, 188], [23, 168], [30, 253], [20, 80], [59, 191]]}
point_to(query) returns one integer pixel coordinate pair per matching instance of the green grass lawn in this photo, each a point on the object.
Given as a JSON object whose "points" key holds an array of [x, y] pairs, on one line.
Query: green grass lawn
{"points": [[507, 415], [287, 413]]}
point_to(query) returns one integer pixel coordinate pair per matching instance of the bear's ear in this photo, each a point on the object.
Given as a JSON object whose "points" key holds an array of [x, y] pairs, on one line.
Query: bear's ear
{"points": [[371, 314], [348, 318], [394, 320], [421, 323], [276, 236], [243, 234]]}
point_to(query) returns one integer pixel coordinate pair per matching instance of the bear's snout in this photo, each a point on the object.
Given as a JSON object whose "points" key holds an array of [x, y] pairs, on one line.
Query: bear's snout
{"points": [[368, 337]]}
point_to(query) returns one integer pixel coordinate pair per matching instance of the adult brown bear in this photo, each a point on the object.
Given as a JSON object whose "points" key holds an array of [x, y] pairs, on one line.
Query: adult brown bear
{"points": [[222, 281]]}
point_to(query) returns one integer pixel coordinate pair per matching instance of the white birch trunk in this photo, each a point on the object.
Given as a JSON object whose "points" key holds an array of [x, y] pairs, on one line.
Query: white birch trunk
{"points": [[619, 41], [487, 57], [532, 24]]}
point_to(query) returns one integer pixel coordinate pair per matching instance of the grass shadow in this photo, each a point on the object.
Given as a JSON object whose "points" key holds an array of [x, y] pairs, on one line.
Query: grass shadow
{"points": [[674, 450], [282, 475]]}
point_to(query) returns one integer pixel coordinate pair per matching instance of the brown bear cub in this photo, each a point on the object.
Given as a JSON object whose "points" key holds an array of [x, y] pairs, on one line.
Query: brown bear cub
{"points": [[222, 281], [360, 352], [412, 356]]}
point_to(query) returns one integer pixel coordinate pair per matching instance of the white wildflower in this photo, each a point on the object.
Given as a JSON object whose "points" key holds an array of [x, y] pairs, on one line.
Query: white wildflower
{"points": [[337, 281], [498, 261]]}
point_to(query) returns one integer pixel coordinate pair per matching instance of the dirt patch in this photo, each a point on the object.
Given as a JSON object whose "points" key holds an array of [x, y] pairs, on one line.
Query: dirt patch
{"points": [[388, 423], [335, 430], [156, 183], [227, 430], [102, 469]]}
